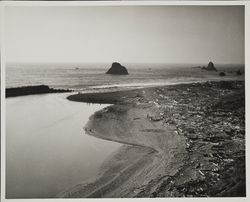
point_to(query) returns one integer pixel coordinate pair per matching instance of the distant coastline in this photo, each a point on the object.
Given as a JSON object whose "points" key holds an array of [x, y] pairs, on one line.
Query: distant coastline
{"points": [[32, 90]]}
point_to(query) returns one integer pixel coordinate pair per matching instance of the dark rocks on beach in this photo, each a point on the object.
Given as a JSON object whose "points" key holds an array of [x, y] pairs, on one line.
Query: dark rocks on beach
{"points": [[210, 67], [222, 74], [32, 90], [227, 85], [192, 136], [117, 69], [239, 72]]}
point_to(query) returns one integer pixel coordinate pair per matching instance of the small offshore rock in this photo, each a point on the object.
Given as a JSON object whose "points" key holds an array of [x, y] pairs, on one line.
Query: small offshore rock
{"points": [[210, 67]]}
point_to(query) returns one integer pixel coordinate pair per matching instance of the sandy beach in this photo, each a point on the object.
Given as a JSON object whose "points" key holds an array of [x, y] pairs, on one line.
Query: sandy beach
{"points": [[179, 140]]}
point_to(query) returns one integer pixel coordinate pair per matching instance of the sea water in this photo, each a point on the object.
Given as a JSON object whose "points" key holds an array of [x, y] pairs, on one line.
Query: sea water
{"points": [[92, 77]]}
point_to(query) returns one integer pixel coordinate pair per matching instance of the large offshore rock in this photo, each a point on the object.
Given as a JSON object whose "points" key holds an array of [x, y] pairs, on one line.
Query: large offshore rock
{"points": [[117, 69]]}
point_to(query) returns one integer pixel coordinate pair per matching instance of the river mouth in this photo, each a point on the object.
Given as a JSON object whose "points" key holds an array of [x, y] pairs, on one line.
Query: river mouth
{"points": [[47, 149]]}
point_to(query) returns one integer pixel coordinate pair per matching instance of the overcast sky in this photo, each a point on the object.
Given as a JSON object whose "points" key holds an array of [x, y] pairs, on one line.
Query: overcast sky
{"points": [[164, 34]]}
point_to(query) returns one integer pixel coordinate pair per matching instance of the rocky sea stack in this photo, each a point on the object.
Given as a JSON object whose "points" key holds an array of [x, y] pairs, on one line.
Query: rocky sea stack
{"points": [[117, 69], [210, 67]]}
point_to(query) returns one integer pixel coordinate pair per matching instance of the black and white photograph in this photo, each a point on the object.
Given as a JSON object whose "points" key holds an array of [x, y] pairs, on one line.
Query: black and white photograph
{"points": [[123, 101]]}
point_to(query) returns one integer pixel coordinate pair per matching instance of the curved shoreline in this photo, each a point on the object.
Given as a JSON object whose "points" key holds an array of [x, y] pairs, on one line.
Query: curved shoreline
{"points": [[140, 117], [159, 151]]}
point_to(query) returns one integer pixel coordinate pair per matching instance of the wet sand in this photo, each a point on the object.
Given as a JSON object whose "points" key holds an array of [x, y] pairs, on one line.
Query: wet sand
{"points": [[182, 140]]}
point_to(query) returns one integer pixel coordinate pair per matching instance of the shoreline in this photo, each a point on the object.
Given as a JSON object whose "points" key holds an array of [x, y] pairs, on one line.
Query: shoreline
{"points": [[183, 141]]}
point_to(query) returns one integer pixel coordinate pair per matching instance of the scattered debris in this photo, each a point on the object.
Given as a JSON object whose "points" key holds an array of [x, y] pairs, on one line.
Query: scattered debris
{"points": [[211, 116]]}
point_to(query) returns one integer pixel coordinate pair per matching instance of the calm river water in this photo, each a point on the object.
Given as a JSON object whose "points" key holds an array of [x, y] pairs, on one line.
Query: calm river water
{"points": [[47, 150]]}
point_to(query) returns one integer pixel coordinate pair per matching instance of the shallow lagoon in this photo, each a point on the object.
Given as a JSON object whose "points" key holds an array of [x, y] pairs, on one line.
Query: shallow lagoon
{"points": [[47, 150]]}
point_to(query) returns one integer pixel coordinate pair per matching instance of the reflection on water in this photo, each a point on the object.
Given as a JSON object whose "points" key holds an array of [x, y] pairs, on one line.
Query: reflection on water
{"points": [[47, 149]]}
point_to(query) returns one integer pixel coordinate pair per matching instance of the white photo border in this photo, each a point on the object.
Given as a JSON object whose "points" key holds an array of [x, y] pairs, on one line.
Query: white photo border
{"points": [[5, 4]]}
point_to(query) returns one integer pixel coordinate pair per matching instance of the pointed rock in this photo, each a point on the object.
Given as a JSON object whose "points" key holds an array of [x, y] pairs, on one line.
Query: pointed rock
{"points": [[210, 67]]}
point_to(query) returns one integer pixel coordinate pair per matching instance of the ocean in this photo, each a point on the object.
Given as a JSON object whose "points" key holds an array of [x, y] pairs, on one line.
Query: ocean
{"points": [[92, 77]]}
